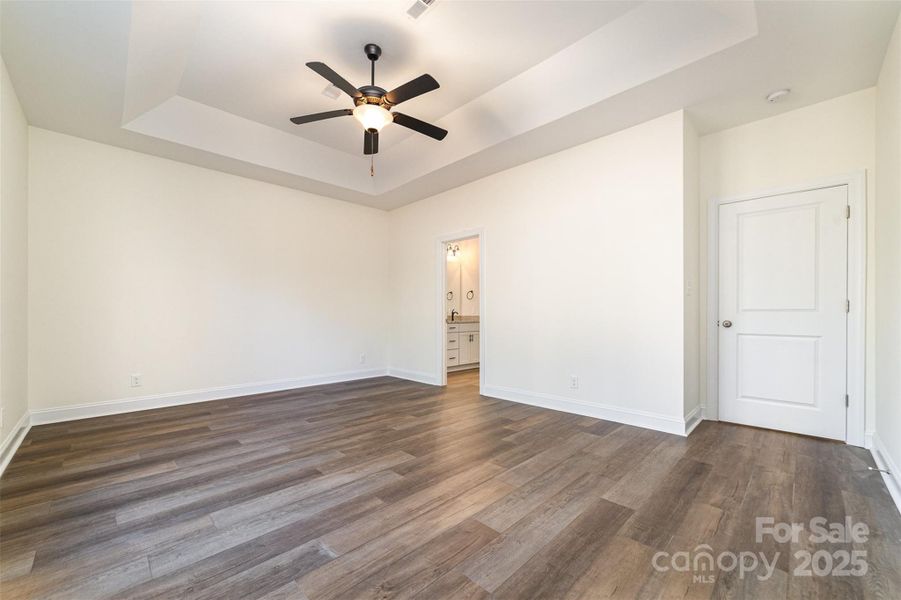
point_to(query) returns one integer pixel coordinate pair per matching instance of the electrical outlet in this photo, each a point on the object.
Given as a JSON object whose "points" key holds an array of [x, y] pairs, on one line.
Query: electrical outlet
{"points": [[573, 382], [362, 358], [136, 380]]}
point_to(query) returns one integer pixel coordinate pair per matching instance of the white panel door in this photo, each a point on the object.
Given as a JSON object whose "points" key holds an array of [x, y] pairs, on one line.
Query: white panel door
{"points": [[782, 309]]}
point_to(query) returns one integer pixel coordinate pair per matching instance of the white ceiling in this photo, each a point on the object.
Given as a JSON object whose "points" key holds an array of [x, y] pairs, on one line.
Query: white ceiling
{"points": [[469, 52], [214, 83]]}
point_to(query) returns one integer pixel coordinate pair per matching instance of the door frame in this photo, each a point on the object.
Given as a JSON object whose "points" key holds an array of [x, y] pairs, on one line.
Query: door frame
{"points": [[441, 281], [857, 293]]}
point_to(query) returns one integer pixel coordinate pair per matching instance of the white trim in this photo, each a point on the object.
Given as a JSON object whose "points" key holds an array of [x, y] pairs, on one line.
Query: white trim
{"points": [[466, 367], [884, 461], [857, 294], [126, 405], [14, 440], [857, 318], [417, 376], [441, 274], [711, 402], [693, 419], [617, 414]]}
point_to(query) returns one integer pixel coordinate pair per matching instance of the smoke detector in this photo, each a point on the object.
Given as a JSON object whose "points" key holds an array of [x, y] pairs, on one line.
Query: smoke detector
{"points": [[778, 95]]}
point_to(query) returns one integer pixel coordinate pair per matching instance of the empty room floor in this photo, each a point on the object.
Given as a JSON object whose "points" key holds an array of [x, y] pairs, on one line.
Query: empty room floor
{"points": [[390, 489]]}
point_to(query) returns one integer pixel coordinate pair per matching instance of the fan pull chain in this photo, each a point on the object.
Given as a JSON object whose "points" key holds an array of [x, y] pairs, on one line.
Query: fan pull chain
{"points": [[372, 165]]}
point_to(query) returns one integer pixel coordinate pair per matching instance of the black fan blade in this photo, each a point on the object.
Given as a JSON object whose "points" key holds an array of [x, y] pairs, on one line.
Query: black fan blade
{"points": [[411, 89], [335, 79], [321, 116], [371, 141], [420, 126]]}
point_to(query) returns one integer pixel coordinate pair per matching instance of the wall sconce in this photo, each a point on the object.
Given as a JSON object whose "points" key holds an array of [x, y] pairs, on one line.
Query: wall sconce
{"points": [[452, 251]]}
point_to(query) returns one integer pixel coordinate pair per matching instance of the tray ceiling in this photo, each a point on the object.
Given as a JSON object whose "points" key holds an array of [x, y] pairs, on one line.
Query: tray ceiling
{"points": [[214, 83]]}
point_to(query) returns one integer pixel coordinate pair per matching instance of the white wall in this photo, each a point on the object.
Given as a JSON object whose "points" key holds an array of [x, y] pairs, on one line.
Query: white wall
{"points": [[595, 266], [13, 259], [831, 138], [583, 254], [691, 256], [888, 253], [191, 277]]}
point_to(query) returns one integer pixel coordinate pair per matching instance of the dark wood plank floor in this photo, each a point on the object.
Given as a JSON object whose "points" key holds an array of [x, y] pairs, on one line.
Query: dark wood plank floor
{"points": [[390, 489]]}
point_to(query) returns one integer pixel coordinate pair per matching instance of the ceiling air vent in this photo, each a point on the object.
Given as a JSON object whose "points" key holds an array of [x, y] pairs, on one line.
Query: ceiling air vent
{"points": [[419, 7]]}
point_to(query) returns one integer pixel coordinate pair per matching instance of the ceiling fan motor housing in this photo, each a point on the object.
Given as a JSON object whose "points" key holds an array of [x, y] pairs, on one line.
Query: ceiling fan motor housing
{"points": [[372, 94]]}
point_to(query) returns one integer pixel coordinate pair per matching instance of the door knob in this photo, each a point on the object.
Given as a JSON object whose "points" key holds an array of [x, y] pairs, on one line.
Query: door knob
{"points": [[727, 323]]}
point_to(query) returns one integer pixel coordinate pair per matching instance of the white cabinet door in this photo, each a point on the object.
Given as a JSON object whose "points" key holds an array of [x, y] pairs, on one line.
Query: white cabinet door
{"points": [[464, 349], [782, 311], [468, 348]]}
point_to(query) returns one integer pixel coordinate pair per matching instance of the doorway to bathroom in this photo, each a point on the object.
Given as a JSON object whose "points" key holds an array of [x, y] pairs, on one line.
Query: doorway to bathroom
{"points": [[462, 336]]}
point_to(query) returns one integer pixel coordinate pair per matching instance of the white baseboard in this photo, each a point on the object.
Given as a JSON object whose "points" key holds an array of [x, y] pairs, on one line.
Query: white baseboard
{"points": [[14, 440], [417, 376], [617, 414], [693, 419], [884, 461], [114, 407]]}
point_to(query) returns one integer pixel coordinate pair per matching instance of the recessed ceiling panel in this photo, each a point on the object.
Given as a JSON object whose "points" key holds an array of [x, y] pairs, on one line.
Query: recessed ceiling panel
{"points": [[214, 83], [249, 58]]}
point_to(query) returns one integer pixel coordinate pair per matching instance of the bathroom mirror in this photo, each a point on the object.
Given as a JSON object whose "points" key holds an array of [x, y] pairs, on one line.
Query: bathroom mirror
{"points": [[462, 277]]}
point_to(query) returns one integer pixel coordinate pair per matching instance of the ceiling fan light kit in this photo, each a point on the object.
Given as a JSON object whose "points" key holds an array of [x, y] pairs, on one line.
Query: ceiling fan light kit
{"points": [[372, 104], [372, 116]]}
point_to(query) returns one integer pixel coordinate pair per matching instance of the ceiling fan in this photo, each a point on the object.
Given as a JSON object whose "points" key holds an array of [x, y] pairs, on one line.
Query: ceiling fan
{"points": [[372, 104]]}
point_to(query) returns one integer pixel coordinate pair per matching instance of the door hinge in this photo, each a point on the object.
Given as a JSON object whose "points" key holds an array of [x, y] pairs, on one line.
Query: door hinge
{"points": [[848, 211], [847, 306], [847, 400]]}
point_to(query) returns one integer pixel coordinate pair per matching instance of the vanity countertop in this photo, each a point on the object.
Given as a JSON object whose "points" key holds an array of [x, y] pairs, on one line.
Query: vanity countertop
{"points": [[462, 319]]}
